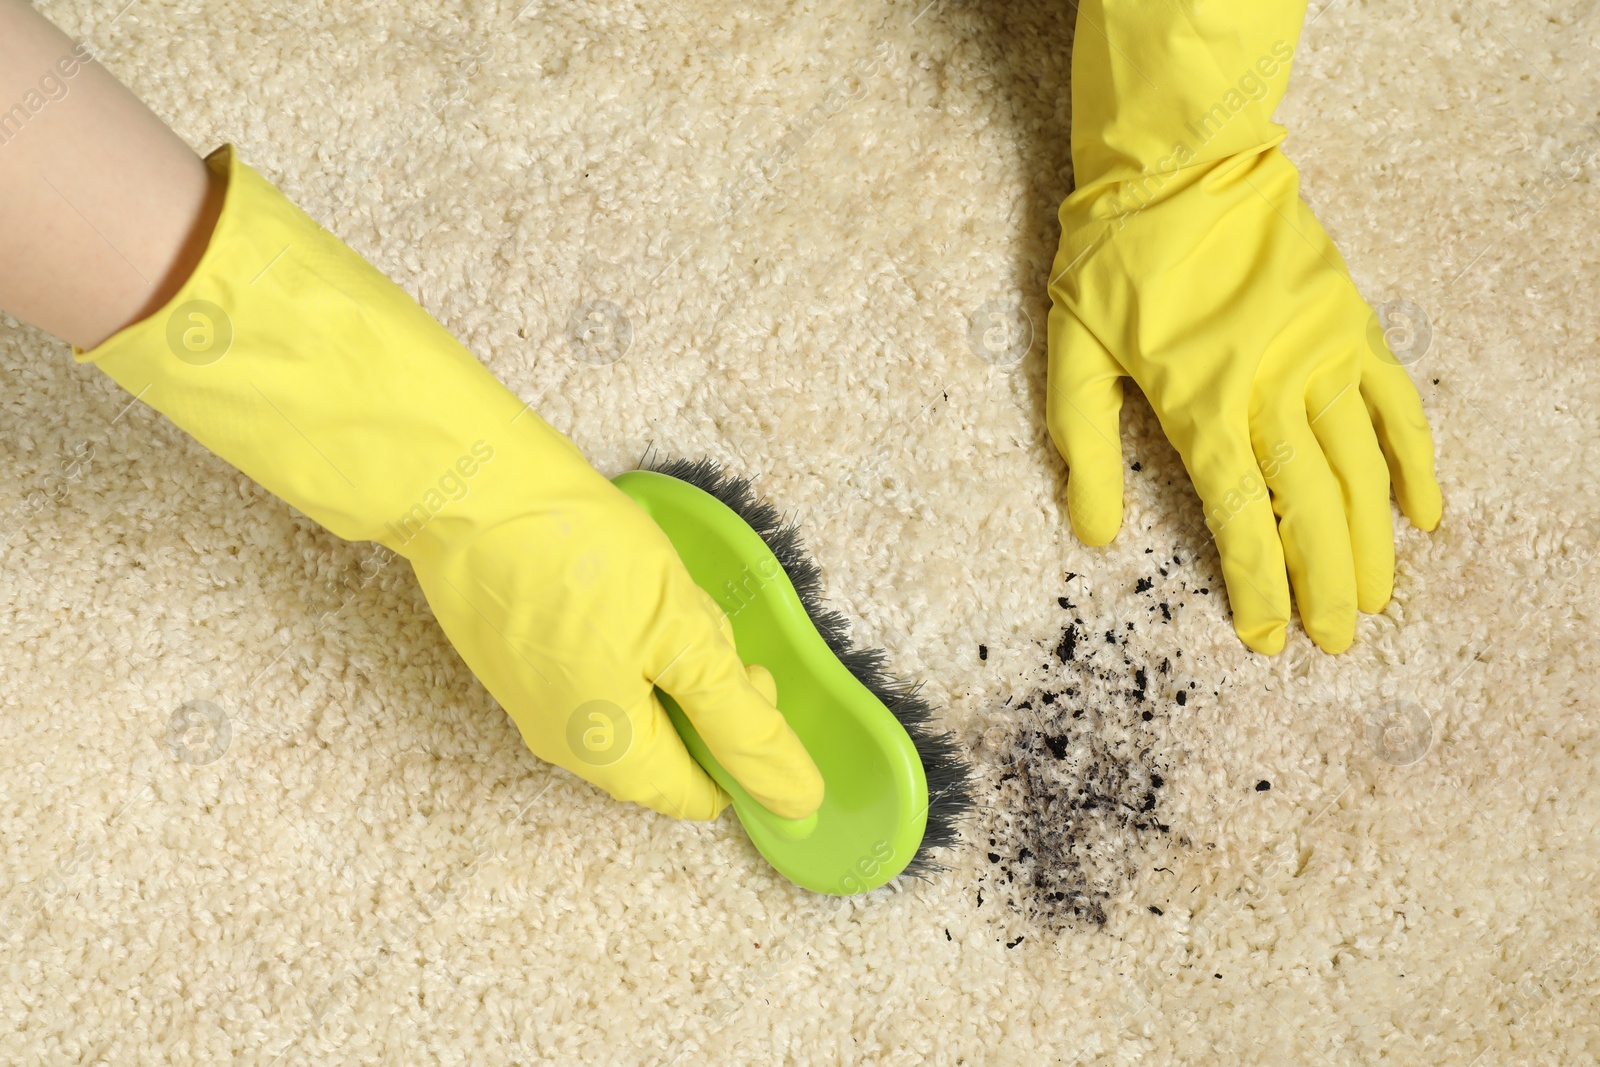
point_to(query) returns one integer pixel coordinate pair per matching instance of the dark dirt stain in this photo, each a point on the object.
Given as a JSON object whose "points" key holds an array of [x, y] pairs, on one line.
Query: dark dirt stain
{"points": [[1075, 767]]}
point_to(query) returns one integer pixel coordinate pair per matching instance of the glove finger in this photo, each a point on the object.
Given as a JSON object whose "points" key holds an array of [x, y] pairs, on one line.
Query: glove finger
{"points": [[1240, 518], [1312, 525], [759, 676], [1083, 409], [700, 667], [1395, 411], [661, 774], [764, 682], [1345, 434]]}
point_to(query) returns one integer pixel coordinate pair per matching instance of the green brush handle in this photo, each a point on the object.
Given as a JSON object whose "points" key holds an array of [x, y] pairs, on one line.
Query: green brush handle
{"points": [[875, 805]]}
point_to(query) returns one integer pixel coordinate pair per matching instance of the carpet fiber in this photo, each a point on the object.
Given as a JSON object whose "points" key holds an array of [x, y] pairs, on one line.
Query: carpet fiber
{"points": [[256, 811]]}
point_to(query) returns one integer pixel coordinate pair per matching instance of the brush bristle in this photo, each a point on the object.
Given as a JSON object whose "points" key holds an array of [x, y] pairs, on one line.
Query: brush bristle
{"points": [[949, 776]]}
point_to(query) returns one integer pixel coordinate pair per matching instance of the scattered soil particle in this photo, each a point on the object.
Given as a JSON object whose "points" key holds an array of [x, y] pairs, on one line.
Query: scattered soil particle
{"points": [[1156, 911], [1263, 785], [1074, 775], [983, 652]]}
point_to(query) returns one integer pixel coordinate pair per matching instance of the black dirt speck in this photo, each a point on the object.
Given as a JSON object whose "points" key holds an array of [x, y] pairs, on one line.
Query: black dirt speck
{"points": [[1076, 775], [1263, 785], [983, 652]]}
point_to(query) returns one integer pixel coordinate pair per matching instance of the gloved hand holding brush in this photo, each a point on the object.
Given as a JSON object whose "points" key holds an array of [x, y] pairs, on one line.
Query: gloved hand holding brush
{"points": [[295, 360], [289, 356], [1189, 263]]}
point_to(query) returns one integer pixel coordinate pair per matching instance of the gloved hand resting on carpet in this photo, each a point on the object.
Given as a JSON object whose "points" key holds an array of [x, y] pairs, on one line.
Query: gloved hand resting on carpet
{"points": [[1189, 262], [289, 356]]}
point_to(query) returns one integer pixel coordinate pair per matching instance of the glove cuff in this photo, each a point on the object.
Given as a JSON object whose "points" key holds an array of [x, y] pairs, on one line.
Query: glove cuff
{"points": [[1163, 85], [299, 363]]}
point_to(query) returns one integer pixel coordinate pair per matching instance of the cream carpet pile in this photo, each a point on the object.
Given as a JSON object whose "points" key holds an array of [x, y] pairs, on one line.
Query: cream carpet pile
{"points": [[255, 811]]}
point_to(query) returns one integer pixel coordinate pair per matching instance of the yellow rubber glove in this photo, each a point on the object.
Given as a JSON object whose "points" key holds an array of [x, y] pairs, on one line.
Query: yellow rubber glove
{"points": [[295, 360], [1189, 263]]}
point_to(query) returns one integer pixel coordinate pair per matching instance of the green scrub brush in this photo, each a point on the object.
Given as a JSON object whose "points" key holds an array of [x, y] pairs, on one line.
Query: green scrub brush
{"points": [[895, 787]]}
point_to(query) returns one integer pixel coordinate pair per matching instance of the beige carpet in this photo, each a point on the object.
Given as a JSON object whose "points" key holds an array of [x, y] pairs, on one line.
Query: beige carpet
{"points": [[254, 810]]}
